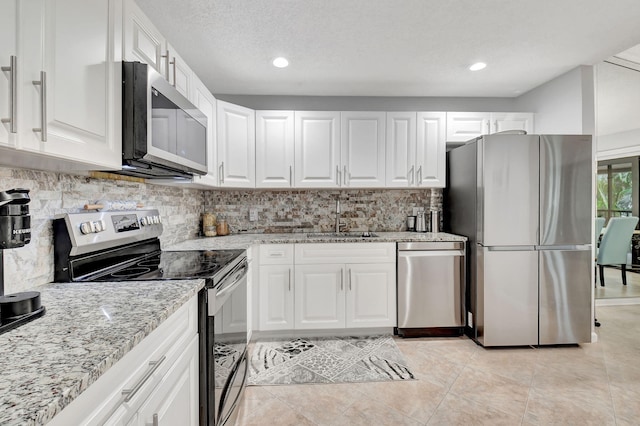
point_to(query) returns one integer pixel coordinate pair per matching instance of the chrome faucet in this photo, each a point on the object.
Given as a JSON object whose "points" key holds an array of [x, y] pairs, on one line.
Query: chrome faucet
{"points": [[339, 223]]}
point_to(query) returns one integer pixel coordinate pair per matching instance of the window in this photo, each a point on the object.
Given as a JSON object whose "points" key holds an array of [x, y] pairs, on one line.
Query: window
{"points": [[617, 188]]}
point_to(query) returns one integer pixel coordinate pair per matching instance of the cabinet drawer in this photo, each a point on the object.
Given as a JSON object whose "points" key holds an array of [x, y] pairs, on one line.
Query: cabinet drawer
{"points": [[276, 254], [345, 253]]}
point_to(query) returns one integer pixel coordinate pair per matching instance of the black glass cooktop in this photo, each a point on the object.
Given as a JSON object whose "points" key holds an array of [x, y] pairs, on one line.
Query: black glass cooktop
{"points": [[169, 265]]}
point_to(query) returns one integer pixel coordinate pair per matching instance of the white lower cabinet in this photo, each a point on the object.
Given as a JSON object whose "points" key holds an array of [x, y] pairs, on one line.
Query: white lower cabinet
{"points": [[154, 383], [319, 296], [328, 286]]}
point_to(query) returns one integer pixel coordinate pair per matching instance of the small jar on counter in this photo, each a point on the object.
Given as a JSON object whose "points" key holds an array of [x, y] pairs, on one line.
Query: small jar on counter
{"points": [[222, 228], [209, 225]]}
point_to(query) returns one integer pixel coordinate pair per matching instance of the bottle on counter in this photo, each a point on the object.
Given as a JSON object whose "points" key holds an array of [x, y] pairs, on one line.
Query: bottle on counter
{"points": [[209, 225], [222, 227]]}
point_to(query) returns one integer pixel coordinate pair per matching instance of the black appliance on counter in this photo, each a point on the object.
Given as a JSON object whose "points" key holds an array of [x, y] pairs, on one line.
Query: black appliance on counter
{"points": [[124, 246], [15, 231]]}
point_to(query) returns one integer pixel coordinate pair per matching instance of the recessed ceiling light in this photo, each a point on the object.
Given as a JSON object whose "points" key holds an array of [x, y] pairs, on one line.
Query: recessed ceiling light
{"points": [[478, 66], [280, 62]]}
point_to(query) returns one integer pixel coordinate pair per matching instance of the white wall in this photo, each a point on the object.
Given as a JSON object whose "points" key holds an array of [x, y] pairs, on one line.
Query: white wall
{"points": [[617, 111], [564, 105], [370, 103]]}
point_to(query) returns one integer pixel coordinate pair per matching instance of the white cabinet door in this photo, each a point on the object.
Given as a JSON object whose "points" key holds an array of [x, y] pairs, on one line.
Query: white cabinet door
{"points": [[175, 401], [371, 295], [319, 296], [463, 126], [236, 145], [363, 149], [317, 149], [401, 149], [431, 150], [8, 78], [274, 149], [502, 121], [142, 41], [179, 75], [206, 103], [276, 297], [72, 49]]}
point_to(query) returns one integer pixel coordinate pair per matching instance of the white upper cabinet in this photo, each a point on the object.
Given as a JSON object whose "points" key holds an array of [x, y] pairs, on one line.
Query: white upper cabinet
{"points": [[401, 149], [464, 126], [206, 103], [8, 77], [363, 149], [142, 41], [71, 84], [431, 150], [274, 149], [317, 149], [236, 145], [416, 149], [503, 121], [178, 73]]}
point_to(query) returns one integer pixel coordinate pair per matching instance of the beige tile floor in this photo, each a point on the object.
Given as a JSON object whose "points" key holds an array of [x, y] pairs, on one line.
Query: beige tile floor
{"points": [[460, 383], [613, 287]]}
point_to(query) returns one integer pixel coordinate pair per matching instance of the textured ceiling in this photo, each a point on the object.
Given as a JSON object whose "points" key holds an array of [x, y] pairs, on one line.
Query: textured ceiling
{"points": [[391, 48]]}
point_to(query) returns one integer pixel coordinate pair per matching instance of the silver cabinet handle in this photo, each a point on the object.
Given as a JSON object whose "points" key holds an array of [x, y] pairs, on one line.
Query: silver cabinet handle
{"points": [[155, 419], [291, 176], [289, 279], [350, 279], [412, 172], [153, 366], [488, 127], [13, 93], [166, 57], [174, 70], [43, 105], [338, 175], [222, 172], [345, 175], [419, 175], [341, 279]]}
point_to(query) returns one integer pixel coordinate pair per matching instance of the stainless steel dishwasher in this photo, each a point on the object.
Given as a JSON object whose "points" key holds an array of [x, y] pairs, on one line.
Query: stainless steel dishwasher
{"points": [[431, 289]]}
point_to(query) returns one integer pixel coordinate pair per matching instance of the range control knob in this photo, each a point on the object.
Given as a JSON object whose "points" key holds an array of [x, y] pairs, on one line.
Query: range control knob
{"points": [[159, 219], [143, 221], [86, 228], [98, 226]]}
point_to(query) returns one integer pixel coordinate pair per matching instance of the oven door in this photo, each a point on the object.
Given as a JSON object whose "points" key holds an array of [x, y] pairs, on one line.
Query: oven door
{"points": [[227, 346]]}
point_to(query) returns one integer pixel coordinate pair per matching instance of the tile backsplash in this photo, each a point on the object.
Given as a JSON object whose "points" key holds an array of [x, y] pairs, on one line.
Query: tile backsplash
{"points": [[53, 193], [314, 210], [181, 208]]}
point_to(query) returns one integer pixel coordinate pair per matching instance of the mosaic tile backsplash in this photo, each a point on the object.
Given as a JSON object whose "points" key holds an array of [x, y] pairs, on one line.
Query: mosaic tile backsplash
{"points": [[53, 193], [181, 209], [314, 210]]}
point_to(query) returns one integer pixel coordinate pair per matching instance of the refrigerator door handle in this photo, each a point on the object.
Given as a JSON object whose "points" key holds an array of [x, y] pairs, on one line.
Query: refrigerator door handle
{"points": [[509, 248], [567, 247]]}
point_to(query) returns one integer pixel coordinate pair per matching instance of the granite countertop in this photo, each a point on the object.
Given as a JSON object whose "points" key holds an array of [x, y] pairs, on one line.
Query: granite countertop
{"points": [[244, 241], [87, 328]]}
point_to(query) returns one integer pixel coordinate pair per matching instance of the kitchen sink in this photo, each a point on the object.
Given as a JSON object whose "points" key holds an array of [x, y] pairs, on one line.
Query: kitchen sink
{"points": [[342, 235]]}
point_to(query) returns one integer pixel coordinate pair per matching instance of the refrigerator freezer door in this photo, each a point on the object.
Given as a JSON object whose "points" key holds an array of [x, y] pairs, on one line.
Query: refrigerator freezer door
{"points": [[508, 207], [565, 296], [565, 190], [508, 291]]}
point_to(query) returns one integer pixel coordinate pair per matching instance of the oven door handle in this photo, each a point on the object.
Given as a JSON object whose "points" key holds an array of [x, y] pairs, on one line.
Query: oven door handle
{"points": [[216, 298]]}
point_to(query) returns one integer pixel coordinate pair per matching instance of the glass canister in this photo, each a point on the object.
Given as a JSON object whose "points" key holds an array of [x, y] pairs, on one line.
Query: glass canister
{"points": [[222, 227], [209, 225]]}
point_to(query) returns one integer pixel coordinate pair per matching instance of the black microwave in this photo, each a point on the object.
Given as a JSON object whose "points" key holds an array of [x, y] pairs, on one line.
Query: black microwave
{"points": [[163, 134]]}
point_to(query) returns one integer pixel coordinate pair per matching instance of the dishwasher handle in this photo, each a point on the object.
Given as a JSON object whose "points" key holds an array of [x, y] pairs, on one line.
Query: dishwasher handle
{"points": [[430, 253]]}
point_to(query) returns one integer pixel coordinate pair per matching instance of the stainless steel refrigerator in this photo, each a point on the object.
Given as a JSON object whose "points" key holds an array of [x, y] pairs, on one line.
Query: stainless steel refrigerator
{"points": [[524, 202]]}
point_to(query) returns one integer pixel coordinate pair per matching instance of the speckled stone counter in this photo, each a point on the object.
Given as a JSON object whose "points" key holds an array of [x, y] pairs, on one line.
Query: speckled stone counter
{"points": [[88, 327], [244, 241]]}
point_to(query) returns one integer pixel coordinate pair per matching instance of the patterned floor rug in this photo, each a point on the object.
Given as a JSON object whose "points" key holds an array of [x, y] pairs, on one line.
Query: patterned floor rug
{"points": [[327, 360]]}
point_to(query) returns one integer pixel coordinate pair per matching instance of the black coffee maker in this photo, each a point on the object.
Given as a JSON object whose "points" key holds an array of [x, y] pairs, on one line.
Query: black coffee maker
{"points": [[15, 231]]}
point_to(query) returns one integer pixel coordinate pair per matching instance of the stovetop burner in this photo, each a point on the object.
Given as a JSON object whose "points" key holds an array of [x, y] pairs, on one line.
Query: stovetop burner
{"points": [[169, 265]]}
